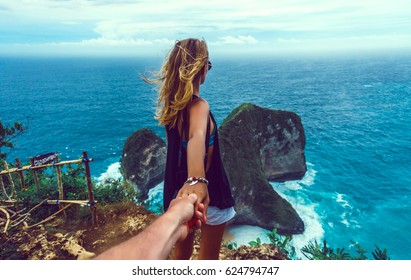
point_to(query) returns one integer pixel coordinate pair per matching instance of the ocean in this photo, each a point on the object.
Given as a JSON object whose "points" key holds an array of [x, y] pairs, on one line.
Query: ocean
{"points": [[354, 109]]}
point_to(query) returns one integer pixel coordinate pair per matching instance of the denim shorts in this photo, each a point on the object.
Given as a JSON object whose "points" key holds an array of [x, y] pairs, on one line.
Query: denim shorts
{"points": [[217, 216]]}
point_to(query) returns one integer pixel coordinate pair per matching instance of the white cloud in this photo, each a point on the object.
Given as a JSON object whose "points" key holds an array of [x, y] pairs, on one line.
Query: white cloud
{"points": [[349, 43], [239, 40], [119, 42], [259, 14], [286, 41], [71, 22], [222, 23]]}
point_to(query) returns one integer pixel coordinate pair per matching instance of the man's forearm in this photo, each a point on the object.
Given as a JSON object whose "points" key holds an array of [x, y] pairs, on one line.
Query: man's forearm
{"points": [[155, 242]]}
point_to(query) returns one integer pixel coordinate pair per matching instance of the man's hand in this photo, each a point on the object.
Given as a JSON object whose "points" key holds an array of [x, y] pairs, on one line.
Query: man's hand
{"points": [[201, 191], [183, 209]]}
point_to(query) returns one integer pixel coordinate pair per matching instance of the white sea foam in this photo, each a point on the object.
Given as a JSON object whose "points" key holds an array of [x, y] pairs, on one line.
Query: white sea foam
{"points": [[243, 234], [112, 173], [295, 185], [309, 176], [312, 220], [304, 207], [344, 203], [155, 198], [346, 216], [344, 219]]}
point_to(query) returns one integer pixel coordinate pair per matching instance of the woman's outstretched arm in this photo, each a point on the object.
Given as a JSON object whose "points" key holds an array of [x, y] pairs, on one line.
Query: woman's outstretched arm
{"points": [[199, 114]]}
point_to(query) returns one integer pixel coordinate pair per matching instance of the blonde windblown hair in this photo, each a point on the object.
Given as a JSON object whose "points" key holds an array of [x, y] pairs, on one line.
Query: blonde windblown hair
{"points": [[175, 79]]}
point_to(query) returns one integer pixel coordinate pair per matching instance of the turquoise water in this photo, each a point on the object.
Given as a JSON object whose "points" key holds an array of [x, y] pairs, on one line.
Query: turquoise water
{"points": [[355, 111]]}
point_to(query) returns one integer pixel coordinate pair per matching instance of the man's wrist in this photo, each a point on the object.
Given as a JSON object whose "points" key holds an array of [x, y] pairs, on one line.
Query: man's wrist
{"points": [[173, 222]]}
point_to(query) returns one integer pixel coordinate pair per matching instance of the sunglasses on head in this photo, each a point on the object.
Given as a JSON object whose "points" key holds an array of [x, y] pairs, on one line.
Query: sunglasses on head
{"points": [[209, 65]]}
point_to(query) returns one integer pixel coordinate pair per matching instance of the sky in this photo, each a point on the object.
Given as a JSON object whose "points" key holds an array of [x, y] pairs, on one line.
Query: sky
{"points": [[143, 27]]}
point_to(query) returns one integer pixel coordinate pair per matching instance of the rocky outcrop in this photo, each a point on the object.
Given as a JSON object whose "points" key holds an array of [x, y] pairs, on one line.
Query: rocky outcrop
{"points": [[143, 160], [258, 145]]}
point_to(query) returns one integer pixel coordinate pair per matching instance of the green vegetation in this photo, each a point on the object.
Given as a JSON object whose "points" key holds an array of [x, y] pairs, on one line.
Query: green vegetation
{"points": [[257, 242], [74, 186], [314, 251], [379, 254], [235, 112], [7, 135], [283, 243], [232, 245]]}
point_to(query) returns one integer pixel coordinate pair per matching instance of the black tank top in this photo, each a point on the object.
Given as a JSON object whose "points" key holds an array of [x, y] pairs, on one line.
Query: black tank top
{"points": [[176, 169]]}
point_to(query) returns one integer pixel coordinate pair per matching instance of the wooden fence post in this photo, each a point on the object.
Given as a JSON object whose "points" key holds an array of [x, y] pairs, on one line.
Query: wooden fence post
{"points": [[35, 177], [13, 189], [59, 179], [60, 183], [18, 165], [93, 208], [3, 189]]}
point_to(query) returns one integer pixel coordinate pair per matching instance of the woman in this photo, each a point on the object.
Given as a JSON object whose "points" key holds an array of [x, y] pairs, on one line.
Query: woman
{"points": [[193, 155]]}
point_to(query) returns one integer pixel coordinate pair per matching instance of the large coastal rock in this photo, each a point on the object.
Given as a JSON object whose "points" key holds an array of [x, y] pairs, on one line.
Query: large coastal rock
{"points": [[258, 145], [143, 160]]}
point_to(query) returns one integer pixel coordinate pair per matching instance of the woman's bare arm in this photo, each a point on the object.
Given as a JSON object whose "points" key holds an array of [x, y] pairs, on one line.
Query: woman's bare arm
{"points": [[199, 114]]}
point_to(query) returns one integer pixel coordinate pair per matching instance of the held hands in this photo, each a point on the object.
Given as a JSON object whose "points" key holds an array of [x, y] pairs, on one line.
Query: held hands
{"points": [[189, 217], [201, 191]]}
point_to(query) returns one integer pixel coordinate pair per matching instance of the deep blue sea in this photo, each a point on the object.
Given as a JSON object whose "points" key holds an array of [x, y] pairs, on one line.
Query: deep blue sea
{"points": [[354, 108]]}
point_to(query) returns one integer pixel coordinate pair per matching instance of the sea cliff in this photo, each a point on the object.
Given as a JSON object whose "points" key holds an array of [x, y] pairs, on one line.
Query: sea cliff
{"points": [[259, 145]]}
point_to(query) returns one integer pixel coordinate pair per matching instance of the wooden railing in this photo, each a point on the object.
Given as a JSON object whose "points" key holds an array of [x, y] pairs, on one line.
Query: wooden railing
{"points": [[16, 217]]}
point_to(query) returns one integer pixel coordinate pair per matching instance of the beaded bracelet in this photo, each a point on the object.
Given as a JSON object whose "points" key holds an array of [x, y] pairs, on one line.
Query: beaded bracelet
{"points": [[195, 180]]}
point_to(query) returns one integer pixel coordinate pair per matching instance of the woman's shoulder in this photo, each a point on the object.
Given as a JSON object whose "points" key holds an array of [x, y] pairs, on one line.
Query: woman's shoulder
{"points": [[199, 103]]}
